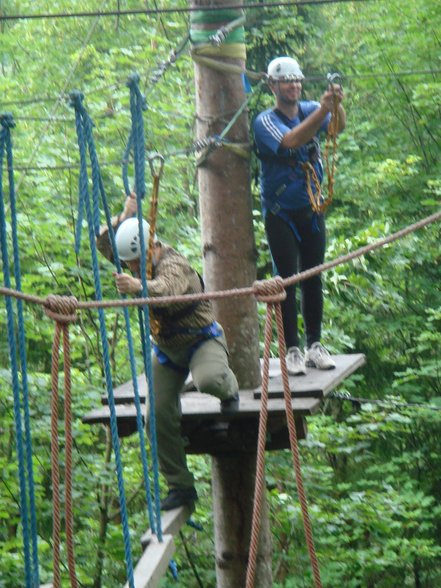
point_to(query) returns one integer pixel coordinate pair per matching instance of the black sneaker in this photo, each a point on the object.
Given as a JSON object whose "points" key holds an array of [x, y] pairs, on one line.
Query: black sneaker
{"points": [[179, 497], [230, 405]]}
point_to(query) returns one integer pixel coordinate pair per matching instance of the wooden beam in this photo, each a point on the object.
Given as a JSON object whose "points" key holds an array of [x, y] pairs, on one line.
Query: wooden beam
{"points": [[171, 523], [153, 564]]}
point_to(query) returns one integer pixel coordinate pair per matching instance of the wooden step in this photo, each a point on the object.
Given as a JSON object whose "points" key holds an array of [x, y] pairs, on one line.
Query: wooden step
{"points": [[153, 563], [171, 523]]}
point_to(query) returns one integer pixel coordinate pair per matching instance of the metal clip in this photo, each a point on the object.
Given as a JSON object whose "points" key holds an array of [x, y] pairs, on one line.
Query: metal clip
{"points": [[156, 162], [335, 78]]}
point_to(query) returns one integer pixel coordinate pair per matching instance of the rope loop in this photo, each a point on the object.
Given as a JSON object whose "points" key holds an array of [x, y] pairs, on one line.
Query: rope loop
{"points": [[270, 291], [7, 120], [133, 83], [61, 308], [76, 98]]}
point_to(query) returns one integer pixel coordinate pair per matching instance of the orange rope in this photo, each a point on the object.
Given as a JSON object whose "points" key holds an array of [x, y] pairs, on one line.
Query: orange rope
{"points": [[295, 451], [313, 187], [56, 526], [270, 295], [62, 310], [273, 295]]}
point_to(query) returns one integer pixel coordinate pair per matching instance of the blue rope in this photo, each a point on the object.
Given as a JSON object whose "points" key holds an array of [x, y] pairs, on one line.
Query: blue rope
{"points": [[125, 165], [83, 133], [139, 418], [173, 566], [137, 105], [31, 569]]}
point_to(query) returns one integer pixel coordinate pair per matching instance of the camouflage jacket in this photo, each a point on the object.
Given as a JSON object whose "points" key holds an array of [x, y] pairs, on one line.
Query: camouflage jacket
{"points": [[172, 325]]}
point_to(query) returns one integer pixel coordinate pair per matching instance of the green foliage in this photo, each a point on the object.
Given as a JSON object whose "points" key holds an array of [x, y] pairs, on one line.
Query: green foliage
{"points": [[372, 471]]}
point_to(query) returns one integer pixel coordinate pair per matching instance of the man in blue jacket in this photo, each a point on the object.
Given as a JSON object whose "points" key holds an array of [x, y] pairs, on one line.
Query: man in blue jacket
{"points": [[287, 143]]}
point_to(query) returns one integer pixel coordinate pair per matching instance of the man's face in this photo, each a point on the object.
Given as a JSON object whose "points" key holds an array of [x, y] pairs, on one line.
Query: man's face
{"points": [[287, 92]]}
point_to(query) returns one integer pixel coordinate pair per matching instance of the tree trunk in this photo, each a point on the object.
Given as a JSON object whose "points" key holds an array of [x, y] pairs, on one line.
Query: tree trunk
{"points": [[233, 492], [226, 213], [230, 262]]}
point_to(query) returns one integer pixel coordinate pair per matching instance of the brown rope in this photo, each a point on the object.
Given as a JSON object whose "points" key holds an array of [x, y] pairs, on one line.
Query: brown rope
{"points": [[260, 460], [331, 145], [315, 196], [156, 175], [295, 450], [273, 294], [62, 310], [68, 457], [236, 292], [56, 525]]}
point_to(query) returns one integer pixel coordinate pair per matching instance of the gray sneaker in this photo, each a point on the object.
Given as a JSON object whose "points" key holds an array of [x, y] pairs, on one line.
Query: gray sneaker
{"points": [[317, 356], [295, 362]]}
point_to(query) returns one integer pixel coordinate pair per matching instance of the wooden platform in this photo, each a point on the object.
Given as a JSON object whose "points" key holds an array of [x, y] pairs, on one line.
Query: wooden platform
{"points": [[316, 383], [208, 431]]}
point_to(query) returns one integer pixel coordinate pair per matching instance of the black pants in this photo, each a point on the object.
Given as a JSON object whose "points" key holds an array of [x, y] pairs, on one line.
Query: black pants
{"points": [[291, 255]]}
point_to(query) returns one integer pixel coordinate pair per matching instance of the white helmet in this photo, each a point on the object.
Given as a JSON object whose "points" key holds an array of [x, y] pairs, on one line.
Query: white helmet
{"points": [[128, 241], [284, 69]]}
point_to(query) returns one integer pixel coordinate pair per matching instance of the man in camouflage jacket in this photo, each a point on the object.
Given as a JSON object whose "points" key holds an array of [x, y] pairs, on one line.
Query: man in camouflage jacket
{"points": [[186, 338]]}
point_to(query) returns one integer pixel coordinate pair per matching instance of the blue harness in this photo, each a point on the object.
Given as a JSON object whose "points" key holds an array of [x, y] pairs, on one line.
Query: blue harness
{"points": [[208, 332]]}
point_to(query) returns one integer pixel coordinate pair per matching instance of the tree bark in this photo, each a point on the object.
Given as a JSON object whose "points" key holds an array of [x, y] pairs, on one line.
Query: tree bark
{"points": [[230, 262], [226, 213]]}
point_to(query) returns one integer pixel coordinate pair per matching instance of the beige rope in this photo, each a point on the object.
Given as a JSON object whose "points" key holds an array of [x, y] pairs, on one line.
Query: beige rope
{"points": [[236, 292]]}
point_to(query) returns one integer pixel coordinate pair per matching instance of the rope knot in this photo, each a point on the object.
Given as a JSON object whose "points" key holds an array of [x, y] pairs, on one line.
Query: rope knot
{"points": [[7, 120], [61, 308], [269, 291], [76, 98]]}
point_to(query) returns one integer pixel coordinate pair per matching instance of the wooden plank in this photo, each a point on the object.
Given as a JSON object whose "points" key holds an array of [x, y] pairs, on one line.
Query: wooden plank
{"points": [[171, 523], [199, 409], [316, 383], [202, 406], [153, 563]]}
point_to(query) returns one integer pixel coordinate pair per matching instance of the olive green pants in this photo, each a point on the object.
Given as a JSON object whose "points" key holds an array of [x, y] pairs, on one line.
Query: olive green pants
{"points": [[211, 375]]}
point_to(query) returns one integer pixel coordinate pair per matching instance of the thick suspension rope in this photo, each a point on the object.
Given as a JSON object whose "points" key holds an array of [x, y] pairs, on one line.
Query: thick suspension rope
{"points": [[85, 140], [25, 467], [62, 310], [137, 106], [273, 294]]}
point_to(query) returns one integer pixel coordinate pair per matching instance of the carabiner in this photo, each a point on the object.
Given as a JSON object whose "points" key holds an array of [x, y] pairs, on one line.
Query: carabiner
{"points": [[159, 159], [335, 78]]}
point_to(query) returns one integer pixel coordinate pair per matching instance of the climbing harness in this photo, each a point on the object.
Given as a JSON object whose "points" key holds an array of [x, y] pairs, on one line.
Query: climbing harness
{"points": [[210, 331]]}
